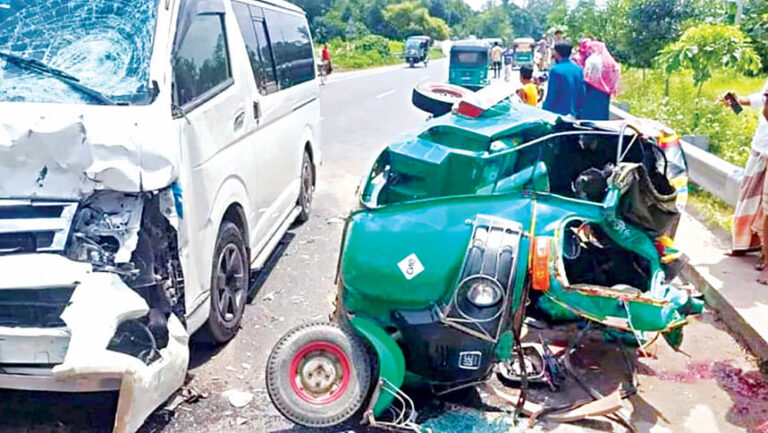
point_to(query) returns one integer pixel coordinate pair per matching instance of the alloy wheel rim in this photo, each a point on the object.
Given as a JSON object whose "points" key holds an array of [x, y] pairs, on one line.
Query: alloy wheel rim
{"points": [[306, 186], [230, 290]]}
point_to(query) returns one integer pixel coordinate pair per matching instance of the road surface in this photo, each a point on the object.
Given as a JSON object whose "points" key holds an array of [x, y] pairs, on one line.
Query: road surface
{"points": [[701, 389]]}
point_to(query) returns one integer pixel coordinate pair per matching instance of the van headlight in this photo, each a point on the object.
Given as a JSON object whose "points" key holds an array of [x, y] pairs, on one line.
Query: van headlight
{"points": [[483, 292]]}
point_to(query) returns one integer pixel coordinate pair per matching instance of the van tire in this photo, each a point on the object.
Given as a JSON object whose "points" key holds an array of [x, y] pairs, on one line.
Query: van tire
{"points": [[229, 284], [437, 98], [307, 188]]}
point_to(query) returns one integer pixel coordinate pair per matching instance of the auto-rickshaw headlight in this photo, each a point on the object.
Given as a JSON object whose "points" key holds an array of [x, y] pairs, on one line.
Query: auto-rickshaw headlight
{"points": [[483, 292]]}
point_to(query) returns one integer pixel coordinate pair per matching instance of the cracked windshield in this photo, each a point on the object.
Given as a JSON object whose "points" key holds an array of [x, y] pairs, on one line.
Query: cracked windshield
{"points": [[104, 44], [359, 216]]}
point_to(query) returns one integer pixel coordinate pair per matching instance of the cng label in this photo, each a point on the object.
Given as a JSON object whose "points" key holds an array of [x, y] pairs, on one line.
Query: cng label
{"points": [[410, 267], [470, 360]]}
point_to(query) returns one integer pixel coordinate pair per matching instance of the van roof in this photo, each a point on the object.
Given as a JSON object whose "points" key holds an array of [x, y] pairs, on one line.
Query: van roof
{"points": [[280, 4]]}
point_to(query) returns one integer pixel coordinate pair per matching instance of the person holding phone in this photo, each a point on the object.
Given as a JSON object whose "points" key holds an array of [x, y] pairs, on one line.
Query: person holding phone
{"points": [[750, 219]]}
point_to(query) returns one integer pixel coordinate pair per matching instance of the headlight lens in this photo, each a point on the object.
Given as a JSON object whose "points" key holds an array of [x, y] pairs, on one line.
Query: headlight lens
{"points": [[484, 292]]}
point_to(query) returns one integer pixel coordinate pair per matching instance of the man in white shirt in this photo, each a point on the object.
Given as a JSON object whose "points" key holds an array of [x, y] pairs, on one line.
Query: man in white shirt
{"points": [[750, 220]]}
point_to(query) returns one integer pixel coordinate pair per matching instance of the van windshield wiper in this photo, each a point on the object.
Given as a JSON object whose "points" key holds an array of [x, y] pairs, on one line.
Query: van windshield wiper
{"points": [[42, 68]]}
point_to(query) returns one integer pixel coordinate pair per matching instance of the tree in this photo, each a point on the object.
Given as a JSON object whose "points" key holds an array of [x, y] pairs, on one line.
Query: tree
{"points": [[557, 14], [652, 25], [493, 22], [708, 47], [411, 18]]}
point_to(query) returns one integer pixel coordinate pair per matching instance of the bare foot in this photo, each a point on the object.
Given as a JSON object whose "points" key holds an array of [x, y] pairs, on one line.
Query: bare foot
{"points": [[763, 278]]}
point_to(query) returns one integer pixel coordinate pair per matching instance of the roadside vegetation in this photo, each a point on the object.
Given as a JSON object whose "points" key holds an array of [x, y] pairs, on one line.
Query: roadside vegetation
{"points": [[730, 134], [368, 52]]}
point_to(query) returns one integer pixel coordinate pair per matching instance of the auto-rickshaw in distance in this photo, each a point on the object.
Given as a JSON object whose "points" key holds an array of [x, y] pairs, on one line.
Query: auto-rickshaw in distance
{"points": [[523, 51], [469, 64], [417, 50]]}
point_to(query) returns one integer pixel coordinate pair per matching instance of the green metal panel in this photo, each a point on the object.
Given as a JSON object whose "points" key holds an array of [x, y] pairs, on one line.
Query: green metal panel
{"points": [[391, 359]]}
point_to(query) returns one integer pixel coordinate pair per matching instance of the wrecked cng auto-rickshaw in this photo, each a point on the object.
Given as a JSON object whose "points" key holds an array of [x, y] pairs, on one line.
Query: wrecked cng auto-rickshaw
{"points": [[459, 228]]}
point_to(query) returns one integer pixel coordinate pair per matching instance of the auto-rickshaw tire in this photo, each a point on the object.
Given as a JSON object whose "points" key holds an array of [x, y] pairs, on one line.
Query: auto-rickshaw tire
{"points": [[351, 357], [431, 97]]}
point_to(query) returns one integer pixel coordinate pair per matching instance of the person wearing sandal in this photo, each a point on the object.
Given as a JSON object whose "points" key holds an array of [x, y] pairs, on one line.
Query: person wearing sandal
{"points": [[750, 219]]}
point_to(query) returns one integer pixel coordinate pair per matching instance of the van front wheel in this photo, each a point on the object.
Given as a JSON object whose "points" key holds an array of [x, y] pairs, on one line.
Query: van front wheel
{"points": [[229, 284], [307, 188]]}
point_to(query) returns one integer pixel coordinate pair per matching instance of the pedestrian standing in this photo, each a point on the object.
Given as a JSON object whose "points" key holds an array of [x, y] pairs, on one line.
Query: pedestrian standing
{"points": [[565, 89], [542, 53], [496, 55], [750, 219], [601, 79]]}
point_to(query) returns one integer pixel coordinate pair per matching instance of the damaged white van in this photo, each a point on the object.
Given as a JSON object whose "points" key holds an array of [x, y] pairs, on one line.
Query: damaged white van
{"points": [[152, 154]]}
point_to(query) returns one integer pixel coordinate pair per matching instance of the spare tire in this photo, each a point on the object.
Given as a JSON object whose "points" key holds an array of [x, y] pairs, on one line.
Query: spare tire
{"points": [[437, 98]]}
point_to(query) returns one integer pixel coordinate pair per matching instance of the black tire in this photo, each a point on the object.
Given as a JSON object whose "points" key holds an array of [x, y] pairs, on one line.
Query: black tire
{"points": [[229, 284], [437, 98], [314, 342], [307, 188], [411, 63]]}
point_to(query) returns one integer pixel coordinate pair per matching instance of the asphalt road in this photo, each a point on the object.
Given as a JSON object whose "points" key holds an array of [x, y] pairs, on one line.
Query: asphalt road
{"points": [[708, 387]]}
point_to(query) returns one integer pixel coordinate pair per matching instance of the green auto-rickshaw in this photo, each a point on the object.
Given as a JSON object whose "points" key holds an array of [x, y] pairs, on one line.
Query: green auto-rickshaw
{"points": [[469, 64], [523, 49], [417, 50]]}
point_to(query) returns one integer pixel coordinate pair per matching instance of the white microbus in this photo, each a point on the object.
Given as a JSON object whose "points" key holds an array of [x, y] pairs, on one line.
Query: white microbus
{"points": [[152, 155]]}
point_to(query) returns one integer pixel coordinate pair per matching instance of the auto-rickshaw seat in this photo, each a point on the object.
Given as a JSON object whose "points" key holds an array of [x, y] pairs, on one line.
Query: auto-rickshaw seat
{"points": [[535, 178]]}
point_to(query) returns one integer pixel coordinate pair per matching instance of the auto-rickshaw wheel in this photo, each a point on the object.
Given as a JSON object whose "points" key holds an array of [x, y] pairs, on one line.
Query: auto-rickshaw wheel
{"points": [[437, 98], [319, 375]]}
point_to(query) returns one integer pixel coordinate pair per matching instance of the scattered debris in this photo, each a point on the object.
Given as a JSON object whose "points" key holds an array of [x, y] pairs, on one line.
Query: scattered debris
{"points": [[269, 297], [245, 366], [237, 398], [184, 395], [240, 420], [335, 220]]}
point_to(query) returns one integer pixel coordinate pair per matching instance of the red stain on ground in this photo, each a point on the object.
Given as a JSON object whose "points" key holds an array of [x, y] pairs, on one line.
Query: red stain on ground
{"points": [[749, 391], [694, 372]]}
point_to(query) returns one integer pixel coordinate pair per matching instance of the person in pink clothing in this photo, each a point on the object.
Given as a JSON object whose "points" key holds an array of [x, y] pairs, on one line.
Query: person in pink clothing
{"points": [[601, 78]]}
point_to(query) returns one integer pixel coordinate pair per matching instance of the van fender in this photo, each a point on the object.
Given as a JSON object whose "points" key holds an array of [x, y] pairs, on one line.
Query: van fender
{"points": [[391, 359]]}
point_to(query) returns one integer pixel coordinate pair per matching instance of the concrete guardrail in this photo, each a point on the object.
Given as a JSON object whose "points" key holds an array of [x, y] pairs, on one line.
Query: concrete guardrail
{"points": [[719, 177]]}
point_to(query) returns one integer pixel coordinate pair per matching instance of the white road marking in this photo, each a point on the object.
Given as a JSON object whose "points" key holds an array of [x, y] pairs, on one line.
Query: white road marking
{"points": [[385, 94]]}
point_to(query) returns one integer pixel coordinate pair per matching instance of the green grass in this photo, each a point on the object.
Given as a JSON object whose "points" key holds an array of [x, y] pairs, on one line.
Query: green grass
{"points": [[368, 52], [730, 135], [715, 212]]}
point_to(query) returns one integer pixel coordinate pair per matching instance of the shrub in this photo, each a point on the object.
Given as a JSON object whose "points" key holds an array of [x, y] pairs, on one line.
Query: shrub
{"points": [[730, 135]]}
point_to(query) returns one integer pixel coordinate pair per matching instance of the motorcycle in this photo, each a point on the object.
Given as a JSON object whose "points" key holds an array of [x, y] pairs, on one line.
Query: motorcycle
{"points": [[464, 228]]}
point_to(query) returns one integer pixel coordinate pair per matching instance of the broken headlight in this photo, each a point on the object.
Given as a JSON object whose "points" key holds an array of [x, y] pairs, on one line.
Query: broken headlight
{"points": [[105, 229]]}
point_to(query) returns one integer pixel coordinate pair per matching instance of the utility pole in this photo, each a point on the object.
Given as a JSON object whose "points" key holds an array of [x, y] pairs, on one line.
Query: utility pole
{"points": [[739, 10]]}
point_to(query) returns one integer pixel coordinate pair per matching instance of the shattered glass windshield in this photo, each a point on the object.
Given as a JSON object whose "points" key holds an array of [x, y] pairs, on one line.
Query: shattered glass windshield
{"points": [[105, 44]]}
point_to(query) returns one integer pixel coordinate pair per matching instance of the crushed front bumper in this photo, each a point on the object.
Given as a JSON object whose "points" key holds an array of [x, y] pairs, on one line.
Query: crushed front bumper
{"points": [[74, 357]]}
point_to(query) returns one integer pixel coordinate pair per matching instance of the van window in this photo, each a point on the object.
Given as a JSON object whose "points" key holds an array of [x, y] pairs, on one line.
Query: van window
{"points": [[256, 42], [294, 59], [201, 65]]}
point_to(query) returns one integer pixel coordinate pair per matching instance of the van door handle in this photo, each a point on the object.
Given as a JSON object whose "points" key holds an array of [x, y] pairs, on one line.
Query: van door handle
{"points": [[257, 110], [239, 120]]}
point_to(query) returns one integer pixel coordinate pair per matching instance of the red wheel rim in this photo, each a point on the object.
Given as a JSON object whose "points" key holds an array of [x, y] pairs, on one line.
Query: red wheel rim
{"points": [[319, 351]]}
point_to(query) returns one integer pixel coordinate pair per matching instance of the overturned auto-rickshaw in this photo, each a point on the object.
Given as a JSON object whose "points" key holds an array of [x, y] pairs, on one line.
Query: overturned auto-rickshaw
{"points": [[463, 225]]}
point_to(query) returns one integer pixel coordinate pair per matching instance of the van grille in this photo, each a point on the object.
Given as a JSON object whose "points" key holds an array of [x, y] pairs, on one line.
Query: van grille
{"points": [[37, 308], [28, 226]]}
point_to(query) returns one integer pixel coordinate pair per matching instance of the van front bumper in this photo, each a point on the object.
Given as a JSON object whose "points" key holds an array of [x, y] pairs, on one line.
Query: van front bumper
{"points": [[37, 354]]}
